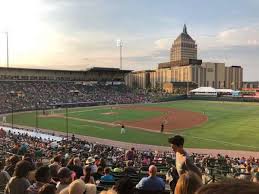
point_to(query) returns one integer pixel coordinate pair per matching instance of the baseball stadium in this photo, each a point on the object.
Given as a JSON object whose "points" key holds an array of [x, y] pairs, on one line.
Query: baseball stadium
{"points": [[95, 108], [94, 116], [180, 126]]}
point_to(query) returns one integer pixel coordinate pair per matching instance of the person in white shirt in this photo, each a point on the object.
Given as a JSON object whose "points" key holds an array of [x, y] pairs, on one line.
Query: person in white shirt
{"points": [[123, 131], [183, 162]]}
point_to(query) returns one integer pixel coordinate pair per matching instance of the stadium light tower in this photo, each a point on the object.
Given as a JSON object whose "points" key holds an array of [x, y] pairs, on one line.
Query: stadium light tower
{"points": [[7, 49], [119, 44]]}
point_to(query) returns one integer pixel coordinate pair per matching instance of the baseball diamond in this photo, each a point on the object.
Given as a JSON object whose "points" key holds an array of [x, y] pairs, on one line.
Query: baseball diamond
{"points": [[205, 124]]}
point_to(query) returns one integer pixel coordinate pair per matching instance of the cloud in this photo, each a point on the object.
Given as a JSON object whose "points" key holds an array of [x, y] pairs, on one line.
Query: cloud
{"points": [[231, 37], [163, 43], [244, 36]]}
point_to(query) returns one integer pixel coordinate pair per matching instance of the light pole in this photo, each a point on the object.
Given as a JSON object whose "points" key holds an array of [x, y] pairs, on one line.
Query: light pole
{"points": [[187, 88], [37, 121], [119, 44], [67, 122], [7, 50], [187, 85], [12, 114], [12, 95]]}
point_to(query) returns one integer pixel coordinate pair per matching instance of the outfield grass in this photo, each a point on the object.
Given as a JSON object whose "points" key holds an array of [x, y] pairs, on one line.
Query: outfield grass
{"points": [[231, 125]]}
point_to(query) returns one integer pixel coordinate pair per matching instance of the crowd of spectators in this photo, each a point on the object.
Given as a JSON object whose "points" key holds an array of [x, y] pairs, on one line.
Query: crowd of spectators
{"points": [[28, 95], [31, 165]]}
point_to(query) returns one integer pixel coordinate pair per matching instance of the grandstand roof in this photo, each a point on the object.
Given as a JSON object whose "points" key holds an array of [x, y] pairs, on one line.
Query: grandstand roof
{"points": [[93, 69], [107, 69]]}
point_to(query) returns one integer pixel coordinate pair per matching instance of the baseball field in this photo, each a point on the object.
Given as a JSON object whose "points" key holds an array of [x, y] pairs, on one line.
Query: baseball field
{"points": [[204, 124]]}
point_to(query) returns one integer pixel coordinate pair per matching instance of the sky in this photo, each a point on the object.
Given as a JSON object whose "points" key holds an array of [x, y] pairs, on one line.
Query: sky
{"points": [[80, 34]]}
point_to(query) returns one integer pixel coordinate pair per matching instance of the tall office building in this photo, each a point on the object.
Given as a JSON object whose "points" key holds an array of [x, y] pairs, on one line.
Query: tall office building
{"points": [[183, 48]]}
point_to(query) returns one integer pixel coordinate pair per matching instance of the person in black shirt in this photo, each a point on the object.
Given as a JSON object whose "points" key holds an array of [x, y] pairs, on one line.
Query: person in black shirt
{"points": [[162, 128]]}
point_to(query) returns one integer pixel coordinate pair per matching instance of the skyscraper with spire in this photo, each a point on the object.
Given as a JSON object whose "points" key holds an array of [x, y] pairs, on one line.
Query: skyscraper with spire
{"points": [[183, 48]]}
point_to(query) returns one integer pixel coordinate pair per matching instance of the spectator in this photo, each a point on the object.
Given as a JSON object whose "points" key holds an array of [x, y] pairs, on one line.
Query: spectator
{"points": [[90, 162], [107, 176], [151, 183], [76, 167], [11, 163], [76, 187], [98, 174], [65, 177], [4, 177], [256, 177], [54, 172], [97, 160], [130, 169], [183, 162], [118, 169], [48, 189], [130, 154], [232, 186], [79, 187], [57, 161], [188, 183], [87, 178], [247, 175], [102, 163], [110, 191], [172, 177], [42, 177], [19, 183], [91, 189], [124, 186]]}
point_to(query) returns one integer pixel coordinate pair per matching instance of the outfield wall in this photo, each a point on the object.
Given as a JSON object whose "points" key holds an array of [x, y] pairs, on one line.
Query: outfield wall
{"points": [[173, 98], [230, 99]]}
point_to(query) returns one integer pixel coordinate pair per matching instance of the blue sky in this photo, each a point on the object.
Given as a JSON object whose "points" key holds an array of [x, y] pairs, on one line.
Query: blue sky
{"points": [[78, 34]]}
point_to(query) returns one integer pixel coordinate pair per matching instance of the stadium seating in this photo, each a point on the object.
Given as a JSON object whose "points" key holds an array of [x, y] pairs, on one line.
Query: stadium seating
{"points": [[29, 95]]}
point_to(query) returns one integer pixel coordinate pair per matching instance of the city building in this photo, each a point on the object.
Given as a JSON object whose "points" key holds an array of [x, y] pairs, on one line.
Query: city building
{"points": [[215, 75], [185, 67], [251, 84], [138, 79], [179, 87], [234, 77], [184, 47]]}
